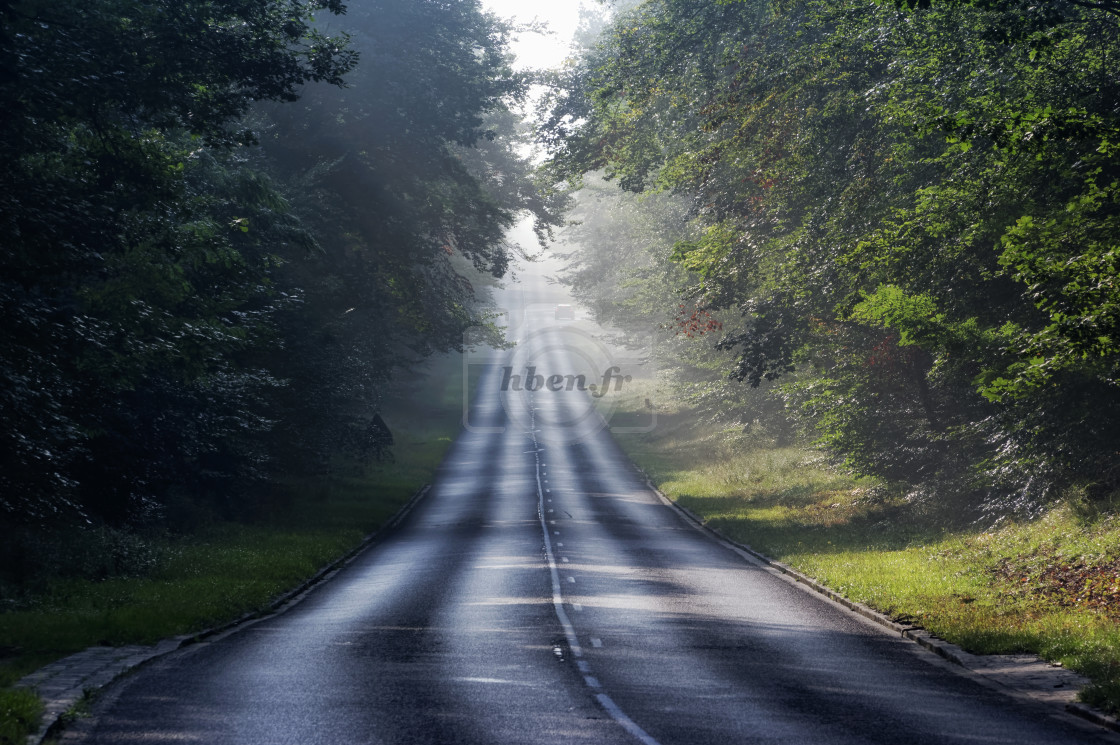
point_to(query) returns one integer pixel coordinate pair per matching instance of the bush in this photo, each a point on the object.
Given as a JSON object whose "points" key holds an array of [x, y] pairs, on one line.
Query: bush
{"points": [[32, 556]]}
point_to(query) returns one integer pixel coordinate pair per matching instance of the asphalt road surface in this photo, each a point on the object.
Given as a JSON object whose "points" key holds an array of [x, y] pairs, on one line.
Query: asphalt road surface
{"points": [[540, 593]]}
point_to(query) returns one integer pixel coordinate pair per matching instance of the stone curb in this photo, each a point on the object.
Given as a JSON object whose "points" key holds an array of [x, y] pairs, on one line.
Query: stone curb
{"points": [[1023, 676], [64, 683]]}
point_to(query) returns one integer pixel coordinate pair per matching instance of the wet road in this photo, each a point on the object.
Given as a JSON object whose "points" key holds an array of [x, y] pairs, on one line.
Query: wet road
{"points": [[541, 594]]}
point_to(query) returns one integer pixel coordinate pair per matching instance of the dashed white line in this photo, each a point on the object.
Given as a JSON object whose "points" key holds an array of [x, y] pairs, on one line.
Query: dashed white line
{"points": [[627, 723], [604, 700], [595, 642]]}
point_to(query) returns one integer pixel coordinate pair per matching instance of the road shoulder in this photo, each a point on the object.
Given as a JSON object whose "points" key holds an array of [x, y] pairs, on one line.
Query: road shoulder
{"points": [[1027, 678]]}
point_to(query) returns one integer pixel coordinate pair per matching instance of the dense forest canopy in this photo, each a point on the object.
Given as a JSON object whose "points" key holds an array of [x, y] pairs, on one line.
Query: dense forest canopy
{"points": [[902, 222], [892, 224], [225, 225]]}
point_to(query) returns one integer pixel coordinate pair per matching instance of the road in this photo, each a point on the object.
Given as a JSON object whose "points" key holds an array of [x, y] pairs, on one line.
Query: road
{"points": [[540, 593]]}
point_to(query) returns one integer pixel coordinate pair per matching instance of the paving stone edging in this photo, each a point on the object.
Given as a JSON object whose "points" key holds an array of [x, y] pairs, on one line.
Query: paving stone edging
{"points": [[64, 683], [1022, 675]]}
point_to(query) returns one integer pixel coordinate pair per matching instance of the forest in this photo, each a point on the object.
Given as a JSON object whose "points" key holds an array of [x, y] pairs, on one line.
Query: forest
{"points": [[227, 226], [895, 228], [887, 231]]}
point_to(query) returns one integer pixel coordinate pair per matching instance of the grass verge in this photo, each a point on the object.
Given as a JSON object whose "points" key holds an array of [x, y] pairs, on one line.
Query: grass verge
{"points": [[20, 711], [1050, 586], [228, 570]]}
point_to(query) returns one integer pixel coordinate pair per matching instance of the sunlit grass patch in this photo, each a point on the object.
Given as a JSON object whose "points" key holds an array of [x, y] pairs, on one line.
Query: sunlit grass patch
{"points": [[1049, 586], [208, 580]]}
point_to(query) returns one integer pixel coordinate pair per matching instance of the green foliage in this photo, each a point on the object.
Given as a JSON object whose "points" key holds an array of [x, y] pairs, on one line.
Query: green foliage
{"points": [[408, 178], [1071, 266], [913, 214], [131, 288], [190, 321], [914, 317]]}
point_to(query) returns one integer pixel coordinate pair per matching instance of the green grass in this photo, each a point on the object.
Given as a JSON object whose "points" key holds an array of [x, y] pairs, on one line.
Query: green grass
{"points": [[20, 712], [991, 591], [229, 569]]}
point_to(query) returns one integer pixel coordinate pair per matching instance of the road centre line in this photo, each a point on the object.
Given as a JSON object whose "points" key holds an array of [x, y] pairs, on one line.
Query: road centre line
{"points": [[617, 714], [557, 597], [627, 723]]}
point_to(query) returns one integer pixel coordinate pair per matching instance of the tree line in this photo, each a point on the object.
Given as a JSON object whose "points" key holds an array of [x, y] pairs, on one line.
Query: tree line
{"points": [[899, 224], [225, 226]]}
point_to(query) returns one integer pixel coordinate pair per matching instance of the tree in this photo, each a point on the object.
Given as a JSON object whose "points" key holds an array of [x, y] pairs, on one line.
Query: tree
{"points": [[911, 211], [126, 289], [409, 178]]}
